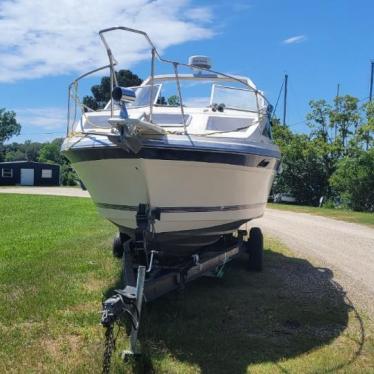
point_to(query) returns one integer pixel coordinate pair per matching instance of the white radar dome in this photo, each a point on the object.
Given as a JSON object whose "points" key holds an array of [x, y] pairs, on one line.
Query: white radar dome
{"points": [[200, 62]]}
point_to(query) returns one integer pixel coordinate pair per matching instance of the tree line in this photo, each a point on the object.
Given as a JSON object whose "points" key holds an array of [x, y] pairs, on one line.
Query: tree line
{"points": [[48, 152], [335, 160]]}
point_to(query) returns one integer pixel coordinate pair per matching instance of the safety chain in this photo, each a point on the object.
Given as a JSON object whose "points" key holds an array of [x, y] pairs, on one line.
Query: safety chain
{"points": [[109, 346]]}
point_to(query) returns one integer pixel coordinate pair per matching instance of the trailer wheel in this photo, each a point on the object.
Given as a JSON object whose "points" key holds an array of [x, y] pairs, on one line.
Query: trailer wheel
{"points": [[117, 247], [255, 248]]}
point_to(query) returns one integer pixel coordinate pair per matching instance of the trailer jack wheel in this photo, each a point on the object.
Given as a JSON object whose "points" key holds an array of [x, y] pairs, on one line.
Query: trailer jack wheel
{"points": [[117, 247], [255, 248], [118, 243]]}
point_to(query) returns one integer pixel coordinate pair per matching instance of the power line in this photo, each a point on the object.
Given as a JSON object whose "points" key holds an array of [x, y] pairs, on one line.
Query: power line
{"points": [[43, 133], [279, 94], [297, 123]]}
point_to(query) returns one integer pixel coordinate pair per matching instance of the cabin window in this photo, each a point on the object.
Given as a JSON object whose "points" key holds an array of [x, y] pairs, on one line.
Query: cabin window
{"points": [[170, 120], [46, 173], [228, 124], [7, 173]]}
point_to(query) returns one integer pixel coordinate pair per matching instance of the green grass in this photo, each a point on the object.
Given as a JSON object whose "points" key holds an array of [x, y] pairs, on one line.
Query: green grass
{"points": [[340, 214], [55, 265]]}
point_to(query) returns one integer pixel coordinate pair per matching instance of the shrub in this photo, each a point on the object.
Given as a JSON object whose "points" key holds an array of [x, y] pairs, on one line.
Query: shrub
{"points": [[354, 180]]}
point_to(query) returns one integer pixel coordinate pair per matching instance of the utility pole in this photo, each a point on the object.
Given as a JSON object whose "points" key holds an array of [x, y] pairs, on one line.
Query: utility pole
{"points": [[370, 97], [285, 98], [336, 108], [371, 80]]}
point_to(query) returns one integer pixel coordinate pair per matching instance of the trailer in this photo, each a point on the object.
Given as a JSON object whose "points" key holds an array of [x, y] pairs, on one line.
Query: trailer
{"points": [[149, 274]]}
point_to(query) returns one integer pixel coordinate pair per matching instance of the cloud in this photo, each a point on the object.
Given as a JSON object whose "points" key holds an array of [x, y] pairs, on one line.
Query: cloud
{"points": [[200, 14], [46, 38], [295, 39], [36, 122]]}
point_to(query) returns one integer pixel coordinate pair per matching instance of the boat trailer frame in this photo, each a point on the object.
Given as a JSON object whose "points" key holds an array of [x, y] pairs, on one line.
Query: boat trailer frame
{"points": [[127, 302]]}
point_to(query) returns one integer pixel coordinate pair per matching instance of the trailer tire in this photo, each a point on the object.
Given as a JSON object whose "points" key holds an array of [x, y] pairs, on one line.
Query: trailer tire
{"points": [[255, 248], [117, 247]]}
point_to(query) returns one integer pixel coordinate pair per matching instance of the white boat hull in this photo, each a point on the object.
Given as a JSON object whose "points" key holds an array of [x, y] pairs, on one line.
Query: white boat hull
{"points": [[202, 194], [227, 193]]}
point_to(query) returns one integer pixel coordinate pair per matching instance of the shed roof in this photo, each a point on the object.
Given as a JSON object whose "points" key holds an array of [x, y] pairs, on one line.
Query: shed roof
{"points": [[27, 162]]}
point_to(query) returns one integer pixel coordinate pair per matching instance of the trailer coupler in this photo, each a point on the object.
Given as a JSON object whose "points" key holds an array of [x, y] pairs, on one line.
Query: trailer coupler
{"points": [[119, 305]]}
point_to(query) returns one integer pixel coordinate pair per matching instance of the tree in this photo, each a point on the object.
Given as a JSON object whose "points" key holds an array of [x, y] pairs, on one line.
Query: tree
{"points": [[8, 128], [32, 150], [354, 180], [17, 155], [50, 152], [8, 125], [173, 100], [307, 161], [68, 177], [346, 117], [303, 173], [22, 151], [282, 134], [366, 130], [102, 93], [319, 118], [335, 160]]}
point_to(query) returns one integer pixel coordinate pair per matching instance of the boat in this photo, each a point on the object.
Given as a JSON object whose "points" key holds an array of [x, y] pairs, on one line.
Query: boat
{"points": [[193, 147]]}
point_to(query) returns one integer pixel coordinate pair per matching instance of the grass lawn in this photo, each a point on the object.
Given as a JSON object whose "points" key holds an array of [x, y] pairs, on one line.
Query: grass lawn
{"points": [[55, 265], [341, 214]]}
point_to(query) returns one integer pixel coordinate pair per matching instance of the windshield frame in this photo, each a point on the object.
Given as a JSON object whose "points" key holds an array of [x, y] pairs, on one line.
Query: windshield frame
{"points": [[214, 85]]}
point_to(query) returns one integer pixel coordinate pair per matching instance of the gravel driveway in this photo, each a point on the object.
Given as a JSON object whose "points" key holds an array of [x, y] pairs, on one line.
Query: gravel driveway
{"points": [[57, 191], [345, 248]]}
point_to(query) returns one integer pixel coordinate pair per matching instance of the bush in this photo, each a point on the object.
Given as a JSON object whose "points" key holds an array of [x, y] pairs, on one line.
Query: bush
{"points": [[68, 176], [354, 180]]}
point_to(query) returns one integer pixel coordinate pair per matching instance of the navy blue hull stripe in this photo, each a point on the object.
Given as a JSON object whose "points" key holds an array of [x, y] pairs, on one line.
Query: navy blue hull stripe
{"points": [[105, 153], [188, 209]]}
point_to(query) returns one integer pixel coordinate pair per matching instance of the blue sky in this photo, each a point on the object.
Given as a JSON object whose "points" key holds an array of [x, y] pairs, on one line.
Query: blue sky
{"points": [[319, 44]]}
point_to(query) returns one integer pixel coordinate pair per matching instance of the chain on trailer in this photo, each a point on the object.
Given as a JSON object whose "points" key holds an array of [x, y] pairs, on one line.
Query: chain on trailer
{"points": [[109, 346]]}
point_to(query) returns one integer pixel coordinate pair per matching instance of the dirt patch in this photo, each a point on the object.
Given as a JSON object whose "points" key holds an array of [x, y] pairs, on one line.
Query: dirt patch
{"points": [[95, 284], [64, 347]]}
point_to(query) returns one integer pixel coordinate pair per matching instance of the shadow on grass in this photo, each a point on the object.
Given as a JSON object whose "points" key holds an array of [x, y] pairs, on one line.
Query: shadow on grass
{"points": [[224, 325]]}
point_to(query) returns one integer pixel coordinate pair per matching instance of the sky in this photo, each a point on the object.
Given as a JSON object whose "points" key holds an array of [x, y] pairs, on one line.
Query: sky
{"points": [[45, 44]]}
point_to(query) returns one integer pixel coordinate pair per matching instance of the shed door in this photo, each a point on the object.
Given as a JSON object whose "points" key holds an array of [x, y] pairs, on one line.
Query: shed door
{"points": [[27, 177]]}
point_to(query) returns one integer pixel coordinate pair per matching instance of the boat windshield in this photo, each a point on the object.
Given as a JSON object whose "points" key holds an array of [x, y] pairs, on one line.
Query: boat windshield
{"points": [[234, 98], [195, 94], [143, 95]]}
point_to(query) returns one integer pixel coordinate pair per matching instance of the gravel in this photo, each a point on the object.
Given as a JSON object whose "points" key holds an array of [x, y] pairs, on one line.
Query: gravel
{"points": [[345, 248]]}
